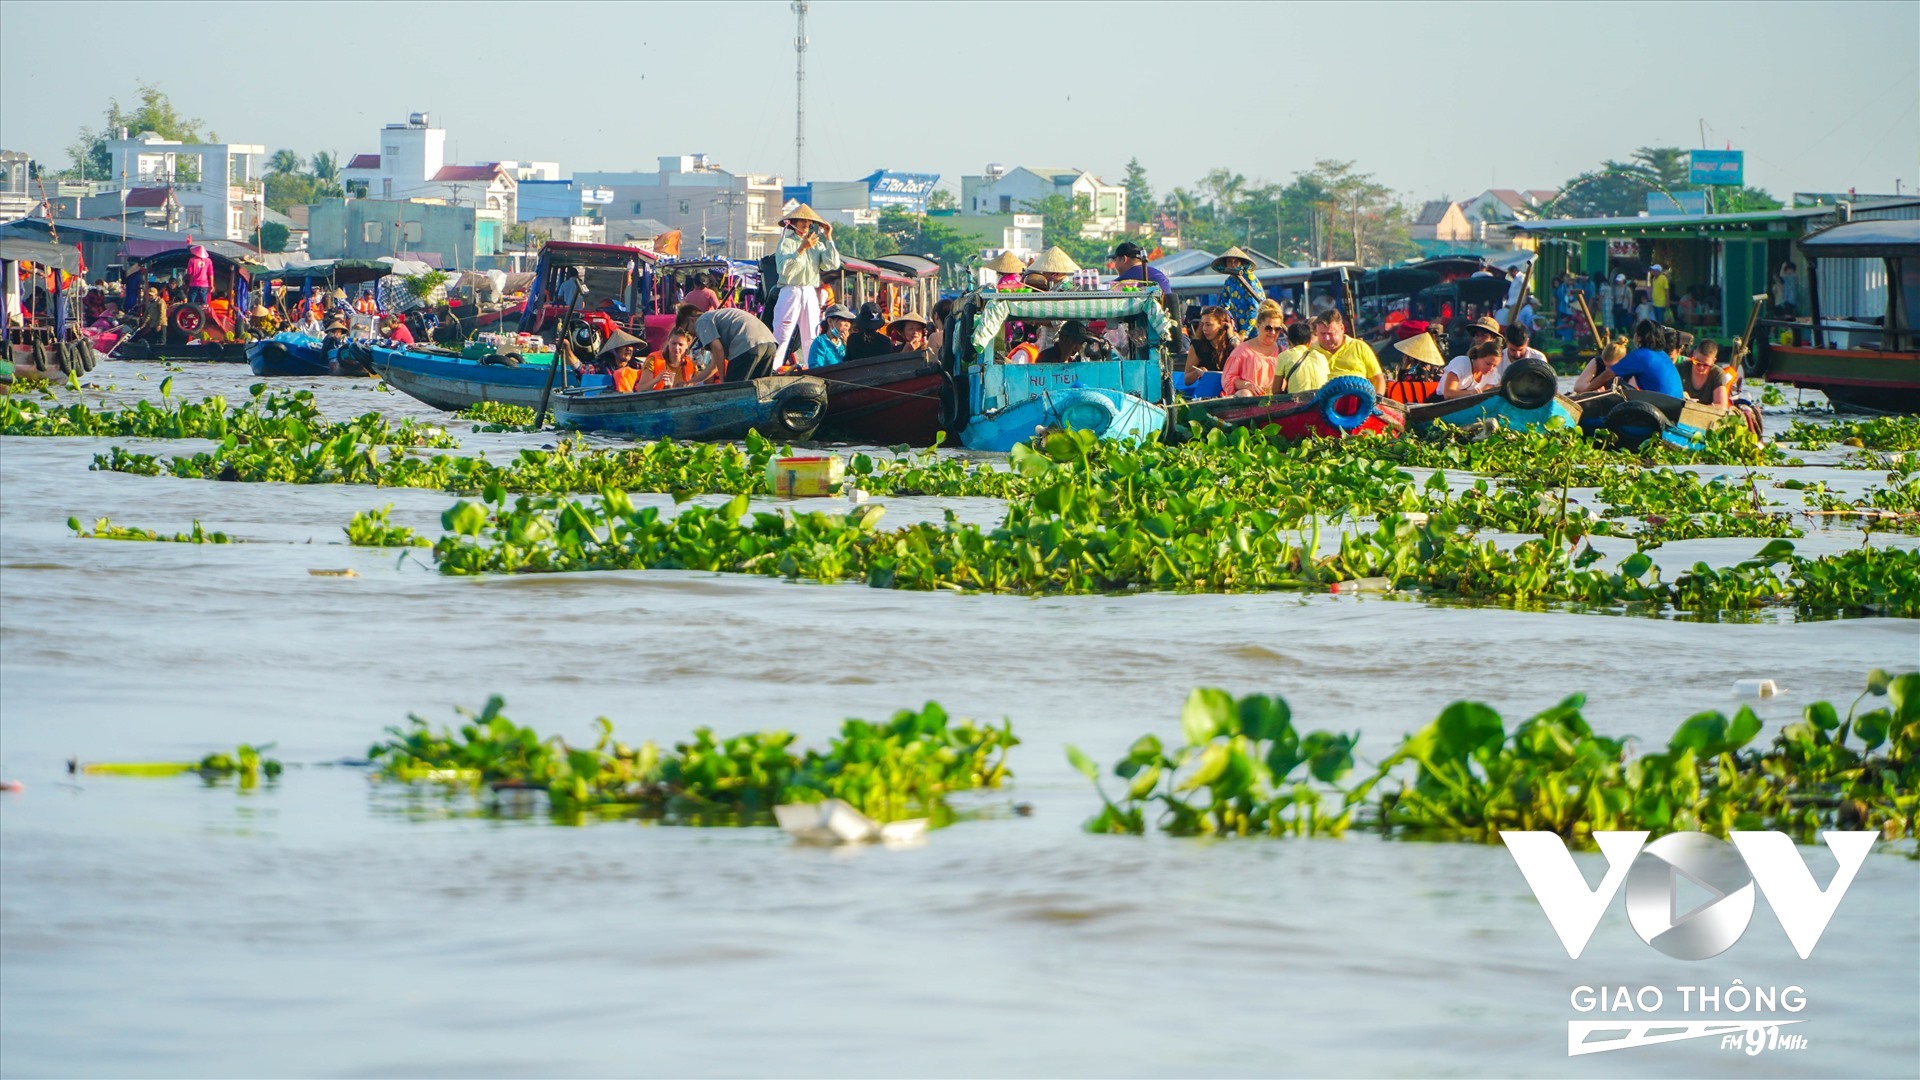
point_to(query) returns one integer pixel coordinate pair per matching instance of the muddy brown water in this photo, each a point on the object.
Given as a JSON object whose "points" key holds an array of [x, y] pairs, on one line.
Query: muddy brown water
{"points": [[325, 926]]}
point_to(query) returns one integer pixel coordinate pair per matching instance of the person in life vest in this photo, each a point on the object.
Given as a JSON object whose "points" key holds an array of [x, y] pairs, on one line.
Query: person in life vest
{"points": [[221, 314], [805, 253], [619, 356]]}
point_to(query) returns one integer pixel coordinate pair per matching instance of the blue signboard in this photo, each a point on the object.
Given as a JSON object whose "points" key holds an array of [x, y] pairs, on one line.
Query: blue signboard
{"points": [[1679, 202], [1718, 167], [909, 191]]}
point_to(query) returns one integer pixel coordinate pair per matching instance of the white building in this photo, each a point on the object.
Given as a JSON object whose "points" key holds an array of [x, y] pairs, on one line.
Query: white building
{"points": [[211, 189], [1010, 191], [412, 166], [715, 210], [16, 196]]}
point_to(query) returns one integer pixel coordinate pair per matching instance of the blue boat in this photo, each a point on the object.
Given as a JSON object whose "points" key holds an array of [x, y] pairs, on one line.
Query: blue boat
{"points": [[1628, 417], [1495, 406], [1116, 391], [780, 407], [453, 382], [288, 355]]}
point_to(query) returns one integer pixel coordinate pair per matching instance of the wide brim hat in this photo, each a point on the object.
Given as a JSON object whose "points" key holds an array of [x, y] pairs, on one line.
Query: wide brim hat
{"points": [[1421, 347], [1054, 261], [803, 212], [336, 324], [870, 317], [257, 310], [839, 311], [339, 293], [1232, 253], [620, 338], [906, 318], [1487, 323], [1006, 263]]}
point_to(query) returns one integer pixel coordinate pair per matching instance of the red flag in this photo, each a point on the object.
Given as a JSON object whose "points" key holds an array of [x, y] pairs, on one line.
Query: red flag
{"points": [[83, 257]]}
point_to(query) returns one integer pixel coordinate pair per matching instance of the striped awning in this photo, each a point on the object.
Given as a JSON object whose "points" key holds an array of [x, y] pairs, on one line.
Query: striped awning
{"points": [[1116, 305]]}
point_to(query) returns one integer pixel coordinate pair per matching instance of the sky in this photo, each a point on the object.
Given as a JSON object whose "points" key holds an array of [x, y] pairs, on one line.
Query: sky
{"points": [[1434, 99]]}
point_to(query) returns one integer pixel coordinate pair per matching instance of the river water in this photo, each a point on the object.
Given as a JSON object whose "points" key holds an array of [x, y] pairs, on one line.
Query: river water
{"points": [[323, 926]]}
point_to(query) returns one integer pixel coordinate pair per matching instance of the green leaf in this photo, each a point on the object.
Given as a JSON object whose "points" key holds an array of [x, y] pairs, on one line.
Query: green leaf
{"points": [[1213, 763], [1208, 712], [1877, 681], [1821, 714], [1144, 783], [1466, 726], [1263, 717], [464, 518], [1872, 728], [1635, 565], [1903, 693], [1083, 764], [1745, 726], [1700, 733]]}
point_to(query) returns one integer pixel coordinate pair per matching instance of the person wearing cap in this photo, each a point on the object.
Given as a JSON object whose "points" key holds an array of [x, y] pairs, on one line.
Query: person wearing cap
{"points": [[737, 343], [1622, 303], [908, 333], [830, 347], [1007, 269], [1053, 266], [262, 320], [1242, 291], [1346, 355], [1130, 264], [1073, 335], [869, 334], [199, 274], [1660, 288], [805, 252]]}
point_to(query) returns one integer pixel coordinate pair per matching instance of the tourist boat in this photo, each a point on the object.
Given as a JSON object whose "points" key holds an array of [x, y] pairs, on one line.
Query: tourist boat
{"points": [[1119, 397], [453, 382], [1869, 366], [618, 282], [1527, 398], [780, 407], [288, 354], [39, 352], [194, 332], [1628, 417], [1345, 406], [904, 397]]}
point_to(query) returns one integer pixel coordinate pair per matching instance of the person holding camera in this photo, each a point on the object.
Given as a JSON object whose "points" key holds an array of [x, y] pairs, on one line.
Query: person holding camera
{"points": [[805, 253]]}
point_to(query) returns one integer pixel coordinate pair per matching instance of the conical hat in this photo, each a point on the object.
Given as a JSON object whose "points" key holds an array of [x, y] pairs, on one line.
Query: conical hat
{"points": [[906, 317], [803, 212], [1054, 261], [619, 338], [1006, 263], [1421, 347], [1232, 253]]}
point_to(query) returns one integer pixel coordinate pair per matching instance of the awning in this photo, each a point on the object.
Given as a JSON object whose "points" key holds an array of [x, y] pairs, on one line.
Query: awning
{"points": [[1866, 240], [1053, 306], [14, 249]]}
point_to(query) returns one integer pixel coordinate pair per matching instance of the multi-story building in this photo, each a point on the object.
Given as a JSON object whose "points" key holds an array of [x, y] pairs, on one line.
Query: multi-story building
{"points": [[213, 190], [412, 166], [733, 213], [16, 192], [1000, 190]]}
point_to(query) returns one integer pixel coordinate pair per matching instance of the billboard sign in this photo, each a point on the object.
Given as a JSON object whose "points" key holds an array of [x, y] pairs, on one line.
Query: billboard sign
{"points": [[1717, 167], [1661, 203]]}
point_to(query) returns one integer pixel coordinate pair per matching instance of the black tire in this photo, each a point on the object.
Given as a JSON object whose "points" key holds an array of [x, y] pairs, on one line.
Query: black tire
{"points": [[1529, 383], [953, 415], [513, 359], [89, 359], [801, 410], [187, 319], [39, 355], [1634, 422]]}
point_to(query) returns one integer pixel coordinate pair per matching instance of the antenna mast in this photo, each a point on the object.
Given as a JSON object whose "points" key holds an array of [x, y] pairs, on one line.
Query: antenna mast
{"points": [[799, 90]]}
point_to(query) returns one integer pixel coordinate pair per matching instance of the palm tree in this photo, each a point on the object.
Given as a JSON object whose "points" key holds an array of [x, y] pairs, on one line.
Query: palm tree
{"points": [[283, 162], [1178, 205], [325, 167], [1224, 188]]}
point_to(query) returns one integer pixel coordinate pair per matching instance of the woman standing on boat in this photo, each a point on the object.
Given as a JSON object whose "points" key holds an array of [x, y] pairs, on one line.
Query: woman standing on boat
{"points": [[805, 253], [1242, 292]]}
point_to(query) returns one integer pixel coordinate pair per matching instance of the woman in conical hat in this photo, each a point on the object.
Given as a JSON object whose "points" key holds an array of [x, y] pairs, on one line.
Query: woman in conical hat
{"points": [[1006, 267], [1243, 294], [805, 253], [1054, 265]]}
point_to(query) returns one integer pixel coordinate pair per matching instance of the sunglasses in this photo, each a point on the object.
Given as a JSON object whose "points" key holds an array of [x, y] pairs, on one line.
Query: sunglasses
{"points": [[1271, 328]]}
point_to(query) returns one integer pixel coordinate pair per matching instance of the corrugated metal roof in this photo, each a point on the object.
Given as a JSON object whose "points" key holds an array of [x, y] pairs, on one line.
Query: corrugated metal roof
{"points": [[1654, 223], [147, 197], [466, 172]]}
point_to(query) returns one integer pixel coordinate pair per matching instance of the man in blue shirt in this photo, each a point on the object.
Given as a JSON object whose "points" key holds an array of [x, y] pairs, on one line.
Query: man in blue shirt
{"points": [[1130, 264], [1648, 367]]}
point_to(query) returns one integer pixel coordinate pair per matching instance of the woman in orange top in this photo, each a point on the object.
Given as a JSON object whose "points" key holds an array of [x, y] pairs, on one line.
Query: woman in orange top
{"points": [[1249, 370]]}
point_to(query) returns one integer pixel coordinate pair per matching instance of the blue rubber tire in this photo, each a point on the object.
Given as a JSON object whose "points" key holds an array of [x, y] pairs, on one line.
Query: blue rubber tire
{"points": [[1084, 410], [1346, 402]]}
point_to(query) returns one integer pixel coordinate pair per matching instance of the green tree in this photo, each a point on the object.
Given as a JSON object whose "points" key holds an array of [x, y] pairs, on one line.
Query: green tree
{"points": [[273, 237], [1668, 167], [326, 167], [943, 200], [283, 162], [155, 112], [1139, 193], [1354, 216], [1744, 200], [1180, 205], [285, 190]]}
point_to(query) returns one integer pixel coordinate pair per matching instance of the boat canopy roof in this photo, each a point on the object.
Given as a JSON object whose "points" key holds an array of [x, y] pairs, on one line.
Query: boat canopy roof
{"points": [[164, 260], [1866, 240], [615, 256], [996, 308], [347, 271], [40, 253], [861, 266], [912, 265]]}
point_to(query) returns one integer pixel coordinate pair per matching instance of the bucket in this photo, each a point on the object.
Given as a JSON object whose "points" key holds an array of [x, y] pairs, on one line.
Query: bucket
{"points": [[805, 477]]}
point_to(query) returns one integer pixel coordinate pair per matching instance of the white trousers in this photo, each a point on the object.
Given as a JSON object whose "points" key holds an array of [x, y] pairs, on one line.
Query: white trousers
{"points": [[796, 312]]}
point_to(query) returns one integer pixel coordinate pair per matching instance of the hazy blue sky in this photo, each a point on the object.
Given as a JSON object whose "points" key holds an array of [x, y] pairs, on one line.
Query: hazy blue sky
{"points": [[1433, 98]]}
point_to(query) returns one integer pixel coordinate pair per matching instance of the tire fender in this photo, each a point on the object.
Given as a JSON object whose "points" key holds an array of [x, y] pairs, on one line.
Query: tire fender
{"points": [[1529, 383], [1346, 402], [1084, 410]]}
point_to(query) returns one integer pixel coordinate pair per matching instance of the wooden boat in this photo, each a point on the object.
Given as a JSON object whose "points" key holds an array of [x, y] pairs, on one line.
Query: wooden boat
{"points": [[194, 334], [1118, 397], [1859, 365], [1628, 417], [1344, 406], [36, 356], [1527, 398], [452, 382], [288, 355], [779, 407], [904, 397]]}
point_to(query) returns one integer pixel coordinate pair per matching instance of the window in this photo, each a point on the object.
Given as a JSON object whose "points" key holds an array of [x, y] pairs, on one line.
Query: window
{"points": [[1006, 204], [756, 212], [410, 232], [1109, 205], [388, 153], [371, 232], [756, 249], [195, 217], [386, 188], [636, 209]]}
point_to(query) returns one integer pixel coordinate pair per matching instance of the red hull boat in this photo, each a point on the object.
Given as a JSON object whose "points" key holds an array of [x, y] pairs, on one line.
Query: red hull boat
{"points": [[888, 400]]}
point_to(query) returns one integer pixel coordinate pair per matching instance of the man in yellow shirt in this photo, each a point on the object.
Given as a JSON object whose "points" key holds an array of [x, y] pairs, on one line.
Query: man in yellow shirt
{"points": [[1346, 355], [1660, 288], [1301, 367]]}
